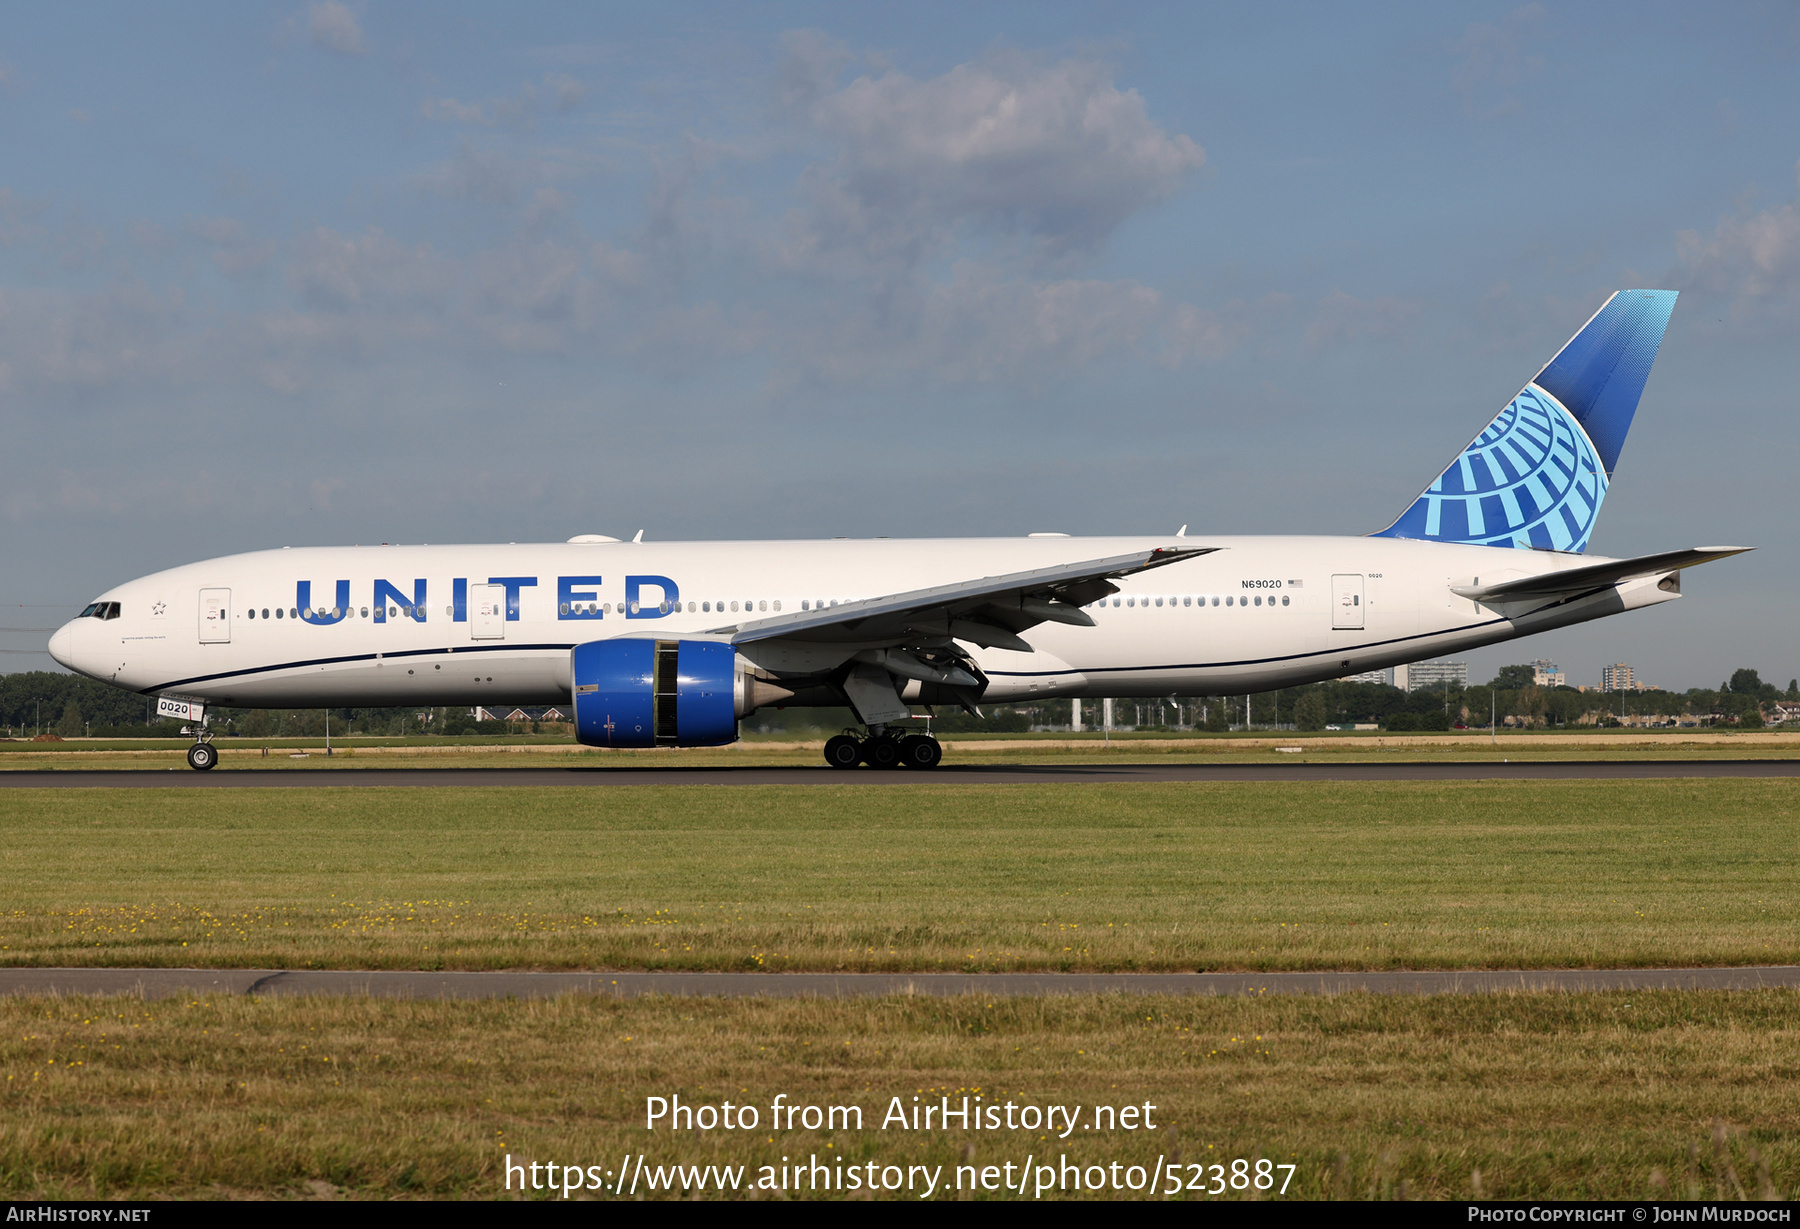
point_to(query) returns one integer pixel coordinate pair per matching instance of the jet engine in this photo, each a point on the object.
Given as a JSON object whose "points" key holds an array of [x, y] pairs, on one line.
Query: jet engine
{"points": [[663, 693]]}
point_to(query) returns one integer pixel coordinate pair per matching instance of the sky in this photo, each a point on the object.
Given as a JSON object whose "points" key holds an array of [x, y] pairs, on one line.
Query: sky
{"points": [[334, 272]]}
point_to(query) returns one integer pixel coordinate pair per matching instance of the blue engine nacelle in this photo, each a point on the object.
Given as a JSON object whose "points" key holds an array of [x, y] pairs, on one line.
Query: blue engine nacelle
{"points": [[655, 693]]}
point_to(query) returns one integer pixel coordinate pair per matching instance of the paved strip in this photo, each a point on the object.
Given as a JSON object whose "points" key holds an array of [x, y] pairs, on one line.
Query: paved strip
{"points": [[397, 984], [996, 774]]}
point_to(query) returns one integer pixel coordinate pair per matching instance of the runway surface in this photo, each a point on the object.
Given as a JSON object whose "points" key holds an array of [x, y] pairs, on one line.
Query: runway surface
{"points": [[996, 774], [165, 983]]}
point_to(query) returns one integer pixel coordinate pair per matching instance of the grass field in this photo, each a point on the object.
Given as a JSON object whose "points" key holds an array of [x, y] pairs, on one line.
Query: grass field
{"points": [[907, 877], [1545, 1095], [1609, 1096]]}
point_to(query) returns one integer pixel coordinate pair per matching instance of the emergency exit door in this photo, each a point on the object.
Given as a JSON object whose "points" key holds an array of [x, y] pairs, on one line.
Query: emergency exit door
{"points": [[215, 616], [1347, 600], [487, 612]]}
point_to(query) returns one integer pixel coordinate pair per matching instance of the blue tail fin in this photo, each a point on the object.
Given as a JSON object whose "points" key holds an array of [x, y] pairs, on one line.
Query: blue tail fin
{"points": [[1536, 476]]}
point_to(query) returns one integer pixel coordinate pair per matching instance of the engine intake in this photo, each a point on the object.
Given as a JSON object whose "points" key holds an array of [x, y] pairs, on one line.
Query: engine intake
{"points": [[657, 693]]}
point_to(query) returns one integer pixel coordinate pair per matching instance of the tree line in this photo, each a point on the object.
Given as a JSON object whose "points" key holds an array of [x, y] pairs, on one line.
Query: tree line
{"points": [[72, 706]]}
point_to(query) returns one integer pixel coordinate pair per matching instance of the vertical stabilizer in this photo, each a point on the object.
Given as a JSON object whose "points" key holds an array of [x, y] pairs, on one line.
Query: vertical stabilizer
{"points": [[1536, 476]]}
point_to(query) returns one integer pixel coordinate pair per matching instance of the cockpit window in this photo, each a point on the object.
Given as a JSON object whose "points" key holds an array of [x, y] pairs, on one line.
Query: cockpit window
{"points": [[92, 610], [100, 610]]}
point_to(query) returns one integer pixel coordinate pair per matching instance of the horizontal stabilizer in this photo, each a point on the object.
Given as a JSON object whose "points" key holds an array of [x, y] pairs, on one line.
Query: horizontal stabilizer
{"points": [[1594, 575]]}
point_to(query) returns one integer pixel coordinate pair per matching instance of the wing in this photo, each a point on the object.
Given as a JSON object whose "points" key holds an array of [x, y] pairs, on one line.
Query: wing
{"points": [[990, 612], [1595, 575]]}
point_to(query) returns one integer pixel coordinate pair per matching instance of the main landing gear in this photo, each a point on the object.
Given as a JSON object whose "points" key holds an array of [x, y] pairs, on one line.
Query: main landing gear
{"points": [[884, 750]]}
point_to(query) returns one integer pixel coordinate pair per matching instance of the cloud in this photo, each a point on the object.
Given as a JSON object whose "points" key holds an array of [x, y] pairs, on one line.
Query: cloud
{"points": [[79, 340], [234, 249], [1752, 261], [494, 177], [811, 62], [449, 110], [982, 325], [1497, 60], [340, 272], [514, 111], [1342, 319], [914, 251], [565, 91], [1011, 145], [333, 27]]}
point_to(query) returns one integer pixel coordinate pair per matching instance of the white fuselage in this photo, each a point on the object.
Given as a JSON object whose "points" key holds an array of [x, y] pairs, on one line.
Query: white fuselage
{"points": [[1257, 613]]}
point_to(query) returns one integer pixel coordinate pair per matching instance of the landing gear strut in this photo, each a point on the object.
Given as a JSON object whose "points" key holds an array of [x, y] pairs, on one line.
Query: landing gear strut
{"points": [[883, 750], [202, 755]]}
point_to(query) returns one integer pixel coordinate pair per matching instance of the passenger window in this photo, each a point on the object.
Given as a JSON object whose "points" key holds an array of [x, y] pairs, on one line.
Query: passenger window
{"points": [[1284, 600], [1159, 601], [1228, 601], [763, 605], [805, 605], [1259, 599], [692, 608], [1187, 601], [778, 603], [734, 607], [563, 609]]}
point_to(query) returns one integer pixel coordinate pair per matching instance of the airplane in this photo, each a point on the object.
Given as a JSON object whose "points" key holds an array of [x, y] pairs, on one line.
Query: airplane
{"points": [[673, 644]]}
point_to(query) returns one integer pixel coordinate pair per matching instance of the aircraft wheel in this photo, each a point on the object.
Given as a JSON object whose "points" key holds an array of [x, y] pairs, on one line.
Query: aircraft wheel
{"points": [[920, 751], [843, 751], [882, 752], [202, 756]]}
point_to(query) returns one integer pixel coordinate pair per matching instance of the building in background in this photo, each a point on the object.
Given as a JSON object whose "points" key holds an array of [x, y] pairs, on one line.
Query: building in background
{"points": [[1547, 674], [1619, 677], [1384, 677], [1422, 675]]}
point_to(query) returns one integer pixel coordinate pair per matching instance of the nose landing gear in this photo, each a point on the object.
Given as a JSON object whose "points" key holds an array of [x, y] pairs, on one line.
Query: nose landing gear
{"points": [[883, 750], [202, 756]]}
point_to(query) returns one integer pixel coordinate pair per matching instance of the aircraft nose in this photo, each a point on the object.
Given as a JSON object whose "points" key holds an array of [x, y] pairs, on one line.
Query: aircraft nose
{"points": [[62, 645]]}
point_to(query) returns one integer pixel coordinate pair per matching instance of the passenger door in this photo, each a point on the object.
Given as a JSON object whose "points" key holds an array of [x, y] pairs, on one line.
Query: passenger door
{"points": [[1347, 601], [215, 616], [487, 612]]}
